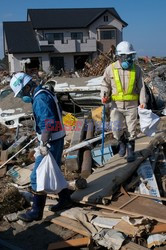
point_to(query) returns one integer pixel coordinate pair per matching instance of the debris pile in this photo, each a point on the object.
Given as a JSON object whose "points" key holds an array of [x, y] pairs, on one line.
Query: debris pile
{"points": [[117, 205], [98, 65], [156, 80]]}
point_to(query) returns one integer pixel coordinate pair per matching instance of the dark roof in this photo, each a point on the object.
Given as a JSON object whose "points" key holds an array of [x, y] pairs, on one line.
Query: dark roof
{"points": [[106, 27], [68, 18], [20, 37]]}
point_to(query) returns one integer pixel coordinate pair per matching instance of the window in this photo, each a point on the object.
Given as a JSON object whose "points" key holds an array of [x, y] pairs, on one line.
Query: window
{"points": [[107, 34], [51, 37], [77, 36], [105, 18]]}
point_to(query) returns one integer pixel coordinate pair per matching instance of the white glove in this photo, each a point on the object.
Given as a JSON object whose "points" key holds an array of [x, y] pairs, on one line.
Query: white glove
{"points": [[43, 149]]}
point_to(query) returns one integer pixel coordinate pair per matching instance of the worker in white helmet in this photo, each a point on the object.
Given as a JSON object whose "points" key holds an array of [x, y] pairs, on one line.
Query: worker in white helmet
{"points": [[123, 86], [50, 132]]}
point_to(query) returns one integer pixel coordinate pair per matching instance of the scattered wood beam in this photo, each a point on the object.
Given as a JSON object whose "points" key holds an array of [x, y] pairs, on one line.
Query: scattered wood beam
{"points": [[70, 243]]}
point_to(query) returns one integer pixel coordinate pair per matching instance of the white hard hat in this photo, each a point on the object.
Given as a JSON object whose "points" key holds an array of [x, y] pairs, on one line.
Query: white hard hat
{"points": [[18, 82], [125, 48]]}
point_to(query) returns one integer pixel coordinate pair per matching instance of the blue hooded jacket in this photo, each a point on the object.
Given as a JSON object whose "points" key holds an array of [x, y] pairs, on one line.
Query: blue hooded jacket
{"points": [[44, 109]]}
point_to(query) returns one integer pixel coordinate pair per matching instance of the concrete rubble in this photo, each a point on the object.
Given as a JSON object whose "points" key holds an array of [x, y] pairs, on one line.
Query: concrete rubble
{"points": [[117, 205]]}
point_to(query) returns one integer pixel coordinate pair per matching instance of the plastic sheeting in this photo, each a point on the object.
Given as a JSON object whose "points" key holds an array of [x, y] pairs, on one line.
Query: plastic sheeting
{"points": [[148, 121]]}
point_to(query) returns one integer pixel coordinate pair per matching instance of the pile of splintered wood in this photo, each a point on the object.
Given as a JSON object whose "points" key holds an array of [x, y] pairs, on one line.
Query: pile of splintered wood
{"points": [[98, 65]]}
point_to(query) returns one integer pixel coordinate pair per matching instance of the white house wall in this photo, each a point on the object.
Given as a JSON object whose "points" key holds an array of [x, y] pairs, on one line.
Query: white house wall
{"points": [[119, 27], [15, 65], [15, 61], [100, 22], [66, 33]]}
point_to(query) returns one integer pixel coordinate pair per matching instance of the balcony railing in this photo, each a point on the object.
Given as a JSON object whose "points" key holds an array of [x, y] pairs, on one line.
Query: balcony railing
{"points": [[71, 46]]}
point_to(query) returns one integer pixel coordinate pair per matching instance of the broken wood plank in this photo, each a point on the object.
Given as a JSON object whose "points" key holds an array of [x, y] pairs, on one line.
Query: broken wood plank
{"points": [[159, 228], [148, 196], [106, 213], [140, 207], [132, 246], [4, 157], [105, 181], [72, 160], [70, 243], [71, 225], [126, 228], [127, 202]]}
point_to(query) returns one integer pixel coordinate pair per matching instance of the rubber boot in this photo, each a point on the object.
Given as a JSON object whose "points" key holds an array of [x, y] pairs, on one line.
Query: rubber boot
{"points": [[36, 213], [64, 201], [122, 146], [130, 151]]}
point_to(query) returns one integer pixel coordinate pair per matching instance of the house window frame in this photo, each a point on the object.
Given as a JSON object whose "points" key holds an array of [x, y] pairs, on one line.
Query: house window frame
{"points": [[77, 38], [54, 38], [105, 18], [107, 30]]}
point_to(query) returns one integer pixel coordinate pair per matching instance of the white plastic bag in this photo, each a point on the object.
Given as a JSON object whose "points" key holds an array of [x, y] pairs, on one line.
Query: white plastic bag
{"points": [[148, 121], [49, 176]]}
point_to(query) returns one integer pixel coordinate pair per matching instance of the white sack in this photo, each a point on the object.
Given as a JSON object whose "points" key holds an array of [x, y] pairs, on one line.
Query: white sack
{"points": [[49, 176], [148, 121]]}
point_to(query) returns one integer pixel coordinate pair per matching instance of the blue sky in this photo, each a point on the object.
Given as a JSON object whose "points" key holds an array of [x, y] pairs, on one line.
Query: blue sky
{"points": [[146, 19]]}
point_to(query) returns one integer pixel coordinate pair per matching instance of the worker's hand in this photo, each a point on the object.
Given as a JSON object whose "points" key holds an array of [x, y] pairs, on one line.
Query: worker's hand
{"points": [[105, 99], [142, 105], [43, 149]]}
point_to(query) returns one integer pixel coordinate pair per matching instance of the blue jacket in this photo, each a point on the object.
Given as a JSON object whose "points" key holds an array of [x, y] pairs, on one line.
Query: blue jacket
{"points": [[44, 109]]}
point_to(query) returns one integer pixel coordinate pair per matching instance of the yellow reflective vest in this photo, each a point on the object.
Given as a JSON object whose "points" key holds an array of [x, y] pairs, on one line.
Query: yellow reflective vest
{"points": [[121, 94]]}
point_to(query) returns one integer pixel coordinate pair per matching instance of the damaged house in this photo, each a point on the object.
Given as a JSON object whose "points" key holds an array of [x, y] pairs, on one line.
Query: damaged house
{"points": [[60, 38]]}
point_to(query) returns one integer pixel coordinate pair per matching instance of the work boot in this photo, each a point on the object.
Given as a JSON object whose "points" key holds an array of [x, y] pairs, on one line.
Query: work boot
{"points": [[36, 213], [64, 201], [122, 146], [130, 151]]}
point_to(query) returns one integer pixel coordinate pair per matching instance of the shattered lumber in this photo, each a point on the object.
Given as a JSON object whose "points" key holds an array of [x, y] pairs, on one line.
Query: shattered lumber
{"points": [[137, 207], [4, 157], [132, 246], [71, 225], [159, 228], [126, 228], [70, 243], [148, 196], [104, 181], [72, 159]]}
